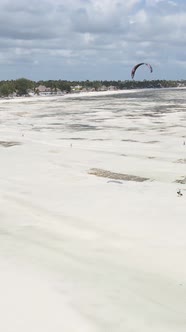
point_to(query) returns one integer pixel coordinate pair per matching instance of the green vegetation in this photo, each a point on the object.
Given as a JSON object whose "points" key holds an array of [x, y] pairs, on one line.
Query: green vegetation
{"points": [[23, 86]]}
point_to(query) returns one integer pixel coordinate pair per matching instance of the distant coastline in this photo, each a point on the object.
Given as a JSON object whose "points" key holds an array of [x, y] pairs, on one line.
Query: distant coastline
{"points": [[27, 88]]}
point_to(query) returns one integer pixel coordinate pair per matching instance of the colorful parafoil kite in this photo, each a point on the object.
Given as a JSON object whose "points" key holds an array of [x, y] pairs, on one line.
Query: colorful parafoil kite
{"points": [[139, 64]]}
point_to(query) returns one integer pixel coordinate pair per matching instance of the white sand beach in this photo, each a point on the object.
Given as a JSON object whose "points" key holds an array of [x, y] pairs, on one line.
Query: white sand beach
{"points": [[82, 252]]}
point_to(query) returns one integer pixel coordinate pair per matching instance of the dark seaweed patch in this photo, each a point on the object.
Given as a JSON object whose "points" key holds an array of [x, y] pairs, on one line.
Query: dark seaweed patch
{"points": [[182, 180], [8, 144], [181, 161], [130, 140], [116, 176], [73, 138], [82, 127]]}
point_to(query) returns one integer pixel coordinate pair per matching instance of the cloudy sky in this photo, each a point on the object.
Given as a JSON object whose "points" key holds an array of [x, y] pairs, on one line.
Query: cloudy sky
{"points": [[92, 39]]}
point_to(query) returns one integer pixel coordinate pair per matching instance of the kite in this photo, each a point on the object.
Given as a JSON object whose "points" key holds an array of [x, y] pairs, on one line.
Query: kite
{"points": [[139, 64]]}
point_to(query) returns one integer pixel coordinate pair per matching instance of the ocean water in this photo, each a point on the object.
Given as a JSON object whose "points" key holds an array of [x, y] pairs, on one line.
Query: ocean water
{"points": [[109, 117], [147, 109], [100, 113]]}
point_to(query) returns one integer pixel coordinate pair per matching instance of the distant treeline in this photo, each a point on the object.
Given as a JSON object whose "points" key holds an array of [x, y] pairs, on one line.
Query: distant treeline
{"points": [[23, 86]]}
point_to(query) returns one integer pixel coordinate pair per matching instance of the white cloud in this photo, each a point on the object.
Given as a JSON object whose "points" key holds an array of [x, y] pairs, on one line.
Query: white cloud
{"points": [[59, 32]]}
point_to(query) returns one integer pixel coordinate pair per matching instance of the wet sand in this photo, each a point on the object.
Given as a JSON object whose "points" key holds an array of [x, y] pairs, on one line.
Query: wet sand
{"points": [[81, 252]]}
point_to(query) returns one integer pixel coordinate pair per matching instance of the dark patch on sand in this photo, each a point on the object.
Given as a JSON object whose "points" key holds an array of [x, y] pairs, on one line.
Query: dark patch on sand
{"points": [[151, 115], [82, 127], [37, 129], [116, 176], [8, 144], [73, 138], [130, 140], [182, 180], [151, 142], [132, 129], [162, 130], [46, 115], [99, 139], [181, 161]]}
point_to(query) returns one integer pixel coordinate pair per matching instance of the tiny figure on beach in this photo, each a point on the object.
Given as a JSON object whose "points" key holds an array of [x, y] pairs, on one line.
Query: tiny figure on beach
{"points": [[179, 193], [183, 142]]}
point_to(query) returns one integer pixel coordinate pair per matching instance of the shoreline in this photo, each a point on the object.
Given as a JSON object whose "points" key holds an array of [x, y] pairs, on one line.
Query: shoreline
{"points": [[83, 94], [69, 95]]}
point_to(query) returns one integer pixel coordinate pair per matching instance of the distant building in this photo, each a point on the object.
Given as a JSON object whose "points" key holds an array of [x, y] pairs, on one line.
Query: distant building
{"points": [[111, 87], [43, 90]]}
